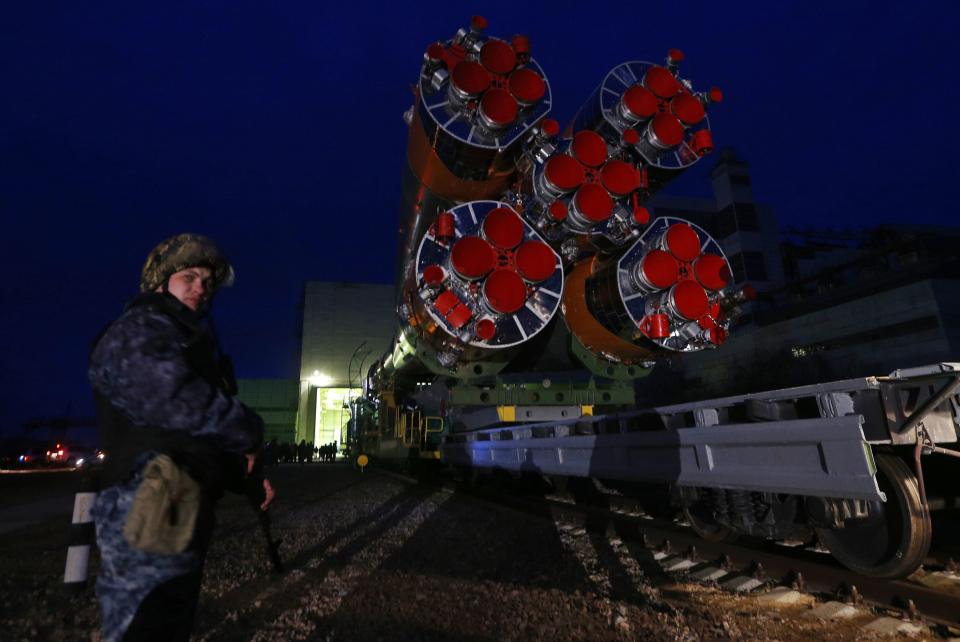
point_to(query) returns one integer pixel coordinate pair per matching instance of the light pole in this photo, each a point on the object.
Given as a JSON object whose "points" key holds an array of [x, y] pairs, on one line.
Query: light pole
{"points": [[361, 353]]}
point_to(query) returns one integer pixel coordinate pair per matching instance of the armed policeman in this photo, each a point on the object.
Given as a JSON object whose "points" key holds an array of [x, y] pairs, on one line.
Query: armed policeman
{"points": [[175, 436]]}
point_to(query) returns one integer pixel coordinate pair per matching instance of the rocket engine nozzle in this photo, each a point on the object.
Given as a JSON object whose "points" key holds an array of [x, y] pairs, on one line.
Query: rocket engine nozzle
{"points": [[492, 284], [641, 127], [654, 114], [667, 292], [508, 218]]}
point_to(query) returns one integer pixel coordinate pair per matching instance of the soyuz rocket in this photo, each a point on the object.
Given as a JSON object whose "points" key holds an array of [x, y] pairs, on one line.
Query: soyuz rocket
{"points": [[513, 229]]}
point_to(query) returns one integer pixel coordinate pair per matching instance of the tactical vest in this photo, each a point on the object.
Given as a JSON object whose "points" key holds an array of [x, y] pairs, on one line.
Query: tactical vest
{"points": [[123, 442]]}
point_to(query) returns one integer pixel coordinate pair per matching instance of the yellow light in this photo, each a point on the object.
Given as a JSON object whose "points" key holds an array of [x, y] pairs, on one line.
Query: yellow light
{"points": [[319, 380]]}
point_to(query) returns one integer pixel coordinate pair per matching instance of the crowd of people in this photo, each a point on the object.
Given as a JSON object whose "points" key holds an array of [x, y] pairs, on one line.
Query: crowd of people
{"points": [[275, 452]]}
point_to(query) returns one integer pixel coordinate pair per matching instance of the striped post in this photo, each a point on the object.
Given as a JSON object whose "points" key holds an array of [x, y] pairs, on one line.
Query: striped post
{"points": [[82, 535]]}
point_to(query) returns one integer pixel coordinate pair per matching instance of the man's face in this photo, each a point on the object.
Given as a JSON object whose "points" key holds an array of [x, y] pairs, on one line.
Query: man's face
{"points": [[193, 286]]}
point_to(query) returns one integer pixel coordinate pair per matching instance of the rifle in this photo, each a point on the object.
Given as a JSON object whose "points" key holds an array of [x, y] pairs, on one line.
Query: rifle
{"points": [[255, 494]]}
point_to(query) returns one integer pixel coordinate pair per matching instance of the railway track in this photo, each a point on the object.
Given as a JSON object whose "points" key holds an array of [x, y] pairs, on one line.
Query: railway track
{"points": [[927, 600], [679, 549]]}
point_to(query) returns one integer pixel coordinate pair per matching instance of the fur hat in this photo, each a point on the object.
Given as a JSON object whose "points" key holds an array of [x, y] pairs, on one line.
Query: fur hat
{"points": [[179, 253]]}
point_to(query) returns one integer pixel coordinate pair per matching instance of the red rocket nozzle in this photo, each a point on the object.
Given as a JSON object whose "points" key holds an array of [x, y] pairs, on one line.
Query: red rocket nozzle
{"points": [[641, 215], [689, 300], [503, 228], [470, 78], [631, 136], [504, 291], [659, 269], [717, 335], [638, 103], [667, 129], [435, 52], [549, 127], [486, 329], [688, 109], [702, 142], [655, 326], [682, 241], [521, 45], [661, 82], [712, 271], [498, 57], [472, 257], [536, 261], [593, 202], [527, 87], [433, 275], [563, 172], [498, 108], [619, 177], [589, 148]]}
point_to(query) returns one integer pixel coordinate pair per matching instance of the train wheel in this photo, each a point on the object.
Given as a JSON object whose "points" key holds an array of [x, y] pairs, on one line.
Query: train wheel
{"points": [[894, 538], [700, 515]]}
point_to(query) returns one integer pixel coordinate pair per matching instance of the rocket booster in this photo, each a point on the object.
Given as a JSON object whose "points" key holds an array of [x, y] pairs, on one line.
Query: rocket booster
{"points": [[506, 221]]}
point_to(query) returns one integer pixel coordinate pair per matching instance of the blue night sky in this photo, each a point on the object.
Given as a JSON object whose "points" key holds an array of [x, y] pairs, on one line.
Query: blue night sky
{"points": [[276, 129]]}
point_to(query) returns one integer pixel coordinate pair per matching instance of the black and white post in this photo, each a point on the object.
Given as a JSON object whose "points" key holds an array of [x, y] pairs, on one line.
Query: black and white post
{"points": [[81, 537]]}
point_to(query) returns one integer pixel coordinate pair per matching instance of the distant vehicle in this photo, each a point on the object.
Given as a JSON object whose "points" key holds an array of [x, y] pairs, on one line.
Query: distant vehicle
{"points": [[31, 458], [85, 457], [74, 456]]}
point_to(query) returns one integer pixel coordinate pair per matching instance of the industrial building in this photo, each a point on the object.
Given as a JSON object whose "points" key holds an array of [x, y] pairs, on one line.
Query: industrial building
{"points": [[345, 327], [834, 304], [276, 401]]}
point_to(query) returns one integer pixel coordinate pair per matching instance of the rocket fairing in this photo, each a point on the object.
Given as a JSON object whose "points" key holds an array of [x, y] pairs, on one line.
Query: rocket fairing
{"points": [[505, 221]]}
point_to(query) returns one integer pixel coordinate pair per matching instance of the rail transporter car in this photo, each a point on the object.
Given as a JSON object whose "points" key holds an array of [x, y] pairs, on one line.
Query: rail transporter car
{"points": [[536, 291]]}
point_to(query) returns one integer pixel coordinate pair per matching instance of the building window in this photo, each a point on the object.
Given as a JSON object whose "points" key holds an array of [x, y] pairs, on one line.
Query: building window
{"points": [[726, 222], [736, 262], [755, 267], [747, 220]]}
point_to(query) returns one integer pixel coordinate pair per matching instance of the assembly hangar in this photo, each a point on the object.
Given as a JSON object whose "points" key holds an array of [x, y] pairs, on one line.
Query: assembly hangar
{"points": [[345, 327]]}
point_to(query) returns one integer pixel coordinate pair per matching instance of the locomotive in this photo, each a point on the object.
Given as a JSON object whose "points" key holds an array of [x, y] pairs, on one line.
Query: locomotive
{"points": [[536, 291]]}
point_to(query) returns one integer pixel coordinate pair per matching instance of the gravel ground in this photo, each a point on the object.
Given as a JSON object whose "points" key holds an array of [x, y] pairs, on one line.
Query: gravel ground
{"points": [[371, 558]]}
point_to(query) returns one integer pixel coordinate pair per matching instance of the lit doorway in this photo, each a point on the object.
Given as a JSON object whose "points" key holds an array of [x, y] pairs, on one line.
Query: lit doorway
{"points": [[332, 416]]}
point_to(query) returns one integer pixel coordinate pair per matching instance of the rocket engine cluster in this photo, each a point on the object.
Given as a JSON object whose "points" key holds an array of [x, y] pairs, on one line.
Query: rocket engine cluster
{"points": [[508, 220]]}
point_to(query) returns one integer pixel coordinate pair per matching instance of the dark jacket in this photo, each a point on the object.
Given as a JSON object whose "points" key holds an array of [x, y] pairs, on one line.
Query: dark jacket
{"points": [[160, 385]]}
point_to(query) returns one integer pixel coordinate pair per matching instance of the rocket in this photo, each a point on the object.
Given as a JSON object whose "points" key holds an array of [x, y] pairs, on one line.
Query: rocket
{"points": [[511, 226]]}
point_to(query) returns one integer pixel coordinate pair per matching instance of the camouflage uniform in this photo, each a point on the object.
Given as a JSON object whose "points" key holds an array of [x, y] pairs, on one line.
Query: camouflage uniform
{"points": [[127, 576], [159, 389]]}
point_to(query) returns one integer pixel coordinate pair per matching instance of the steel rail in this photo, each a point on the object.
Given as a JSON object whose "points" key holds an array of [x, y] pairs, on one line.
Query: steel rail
{"points": [[763, 559], [774, 564]]}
